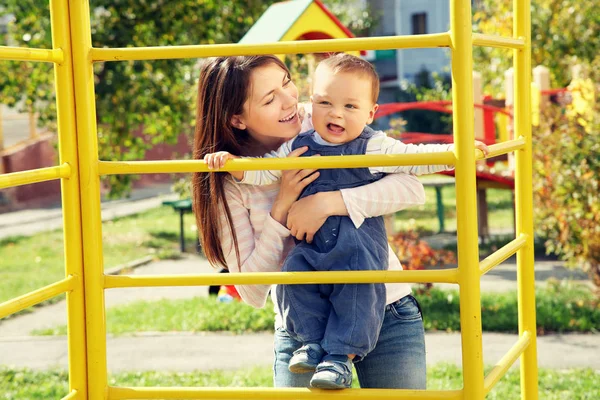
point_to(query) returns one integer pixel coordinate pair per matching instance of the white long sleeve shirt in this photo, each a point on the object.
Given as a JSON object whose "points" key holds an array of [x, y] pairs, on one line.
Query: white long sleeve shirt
{"points": [[379, 143]]}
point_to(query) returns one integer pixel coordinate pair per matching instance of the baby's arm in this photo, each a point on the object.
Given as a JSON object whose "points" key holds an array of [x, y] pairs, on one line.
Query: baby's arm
{"points": [[392, 193], [380, 143], [217, 161]]}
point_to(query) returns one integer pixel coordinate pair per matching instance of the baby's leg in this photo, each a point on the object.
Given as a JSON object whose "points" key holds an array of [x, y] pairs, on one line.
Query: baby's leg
{"points": [[303, 308], [356, 316]]}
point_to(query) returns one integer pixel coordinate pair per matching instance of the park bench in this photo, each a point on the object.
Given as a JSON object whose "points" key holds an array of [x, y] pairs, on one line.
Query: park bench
{"points": [[182, 206], [484, 182]]}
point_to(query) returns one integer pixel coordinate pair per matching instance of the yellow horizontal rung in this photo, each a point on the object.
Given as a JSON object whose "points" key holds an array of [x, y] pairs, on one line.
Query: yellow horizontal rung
{"points": [[255, 164], [288, 47], [71, 396], [30, 299], [502, 148], [502, 254], [269, 278], [506, 362], [34, 176], [121, 393], [498, 41], [27, 54]]}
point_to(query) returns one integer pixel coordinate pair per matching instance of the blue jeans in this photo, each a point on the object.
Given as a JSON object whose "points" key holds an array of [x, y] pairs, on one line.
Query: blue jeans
{"points": [[397, 362]]}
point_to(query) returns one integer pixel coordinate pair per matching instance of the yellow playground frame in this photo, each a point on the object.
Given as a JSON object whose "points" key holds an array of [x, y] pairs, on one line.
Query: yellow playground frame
{"points": [[80, 170]]}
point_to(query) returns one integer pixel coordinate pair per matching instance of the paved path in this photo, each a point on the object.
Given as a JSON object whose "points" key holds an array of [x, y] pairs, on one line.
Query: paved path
{"points": [[29, 222], [186, 352]]}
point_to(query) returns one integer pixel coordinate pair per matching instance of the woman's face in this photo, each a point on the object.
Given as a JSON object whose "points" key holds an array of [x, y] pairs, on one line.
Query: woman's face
{"points": [[271, 109]]}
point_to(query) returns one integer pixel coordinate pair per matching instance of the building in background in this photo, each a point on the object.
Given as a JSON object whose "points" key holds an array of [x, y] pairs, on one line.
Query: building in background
{"points": [[408, 17]]}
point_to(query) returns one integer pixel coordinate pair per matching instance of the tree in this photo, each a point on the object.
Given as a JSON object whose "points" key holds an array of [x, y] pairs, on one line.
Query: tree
{"points": [[154, 97], [553, 45], [565, 145], [567, 169]]}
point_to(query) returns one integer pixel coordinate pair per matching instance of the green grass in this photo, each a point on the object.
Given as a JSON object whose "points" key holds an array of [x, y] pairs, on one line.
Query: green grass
{"points": [[560, 308], [192, 315], [29, 263], [23, 384]]}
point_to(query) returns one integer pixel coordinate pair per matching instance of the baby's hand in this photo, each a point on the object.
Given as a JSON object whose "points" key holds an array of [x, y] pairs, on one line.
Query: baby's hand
{"points": [[483, 147], [217, 160]]}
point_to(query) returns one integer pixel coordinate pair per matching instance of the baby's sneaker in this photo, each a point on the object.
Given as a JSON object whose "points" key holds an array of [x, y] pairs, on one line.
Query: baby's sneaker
{"points": [[306, 358], [334, 372]]}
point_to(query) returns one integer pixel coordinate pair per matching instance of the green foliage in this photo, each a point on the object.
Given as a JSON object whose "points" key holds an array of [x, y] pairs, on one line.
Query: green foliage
{"points": [[565, 145], [353, 14], [138, 103], [553, 45], [561, 307], [567, 167]]}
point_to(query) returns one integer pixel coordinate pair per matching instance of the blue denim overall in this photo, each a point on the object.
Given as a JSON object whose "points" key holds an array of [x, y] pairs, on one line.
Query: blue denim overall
{"points": [[342, 318]]}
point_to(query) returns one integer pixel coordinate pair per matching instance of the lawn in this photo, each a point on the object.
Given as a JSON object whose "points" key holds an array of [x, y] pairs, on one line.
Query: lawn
{"points": [[560, 308], [28, 263], [580, 384]]}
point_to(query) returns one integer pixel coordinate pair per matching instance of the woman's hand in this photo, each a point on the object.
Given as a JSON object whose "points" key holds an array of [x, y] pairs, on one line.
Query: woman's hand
{"points": [[308, 214], [292, 184]]}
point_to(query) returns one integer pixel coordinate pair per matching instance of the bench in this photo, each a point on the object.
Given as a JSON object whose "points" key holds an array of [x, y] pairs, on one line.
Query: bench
{"points": [[438, 185], [483, 183], [182, 206]]}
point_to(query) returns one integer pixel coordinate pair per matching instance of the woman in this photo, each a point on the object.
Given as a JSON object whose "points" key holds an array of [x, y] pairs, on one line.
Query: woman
{"points": [[249, 106]]}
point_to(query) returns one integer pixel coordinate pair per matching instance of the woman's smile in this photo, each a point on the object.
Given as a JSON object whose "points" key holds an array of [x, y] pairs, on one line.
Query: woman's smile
{"points": [[292, 118]]}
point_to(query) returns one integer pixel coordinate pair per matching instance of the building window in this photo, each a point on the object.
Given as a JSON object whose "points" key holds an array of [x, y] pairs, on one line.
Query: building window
{"points": [[419, 23]]}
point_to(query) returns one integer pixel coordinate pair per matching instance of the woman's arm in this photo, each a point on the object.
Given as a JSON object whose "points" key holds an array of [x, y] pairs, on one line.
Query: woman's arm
{"points": [[390, 194], [262, 254]]}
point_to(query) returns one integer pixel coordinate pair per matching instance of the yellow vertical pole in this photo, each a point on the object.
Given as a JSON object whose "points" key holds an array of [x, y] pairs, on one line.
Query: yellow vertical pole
{"points": [[71, 204], [524, 197], [81, 40], [466, 202]]}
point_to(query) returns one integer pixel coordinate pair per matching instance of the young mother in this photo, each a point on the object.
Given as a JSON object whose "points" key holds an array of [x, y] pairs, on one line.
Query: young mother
{"points": [[249, 106]]}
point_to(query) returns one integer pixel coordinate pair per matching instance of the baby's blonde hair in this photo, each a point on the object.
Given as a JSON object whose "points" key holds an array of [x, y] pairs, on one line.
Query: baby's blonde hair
{"points": [[343, 62]]}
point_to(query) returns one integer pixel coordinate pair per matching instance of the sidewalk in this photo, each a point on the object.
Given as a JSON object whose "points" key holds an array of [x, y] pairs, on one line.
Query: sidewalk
{"points": [[29, 222], [186, 352]]}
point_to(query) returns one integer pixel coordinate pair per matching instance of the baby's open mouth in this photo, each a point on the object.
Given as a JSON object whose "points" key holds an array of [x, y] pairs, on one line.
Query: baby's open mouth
{"points": [[335, 128]]}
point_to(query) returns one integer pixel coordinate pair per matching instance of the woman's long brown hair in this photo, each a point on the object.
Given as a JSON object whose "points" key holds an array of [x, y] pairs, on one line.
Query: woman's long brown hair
{"points": [[223, 88]]}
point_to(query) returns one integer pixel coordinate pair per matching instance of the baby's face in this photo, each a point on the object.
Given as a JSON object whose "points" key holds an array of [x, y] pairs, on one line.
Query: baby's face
{"points": [[342, 105]]}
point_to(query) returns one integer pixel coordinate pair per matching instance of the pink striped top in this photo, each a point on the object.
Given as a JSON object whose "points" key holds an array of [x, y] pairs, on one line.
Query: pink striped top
{"points": [[264, 243]]}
